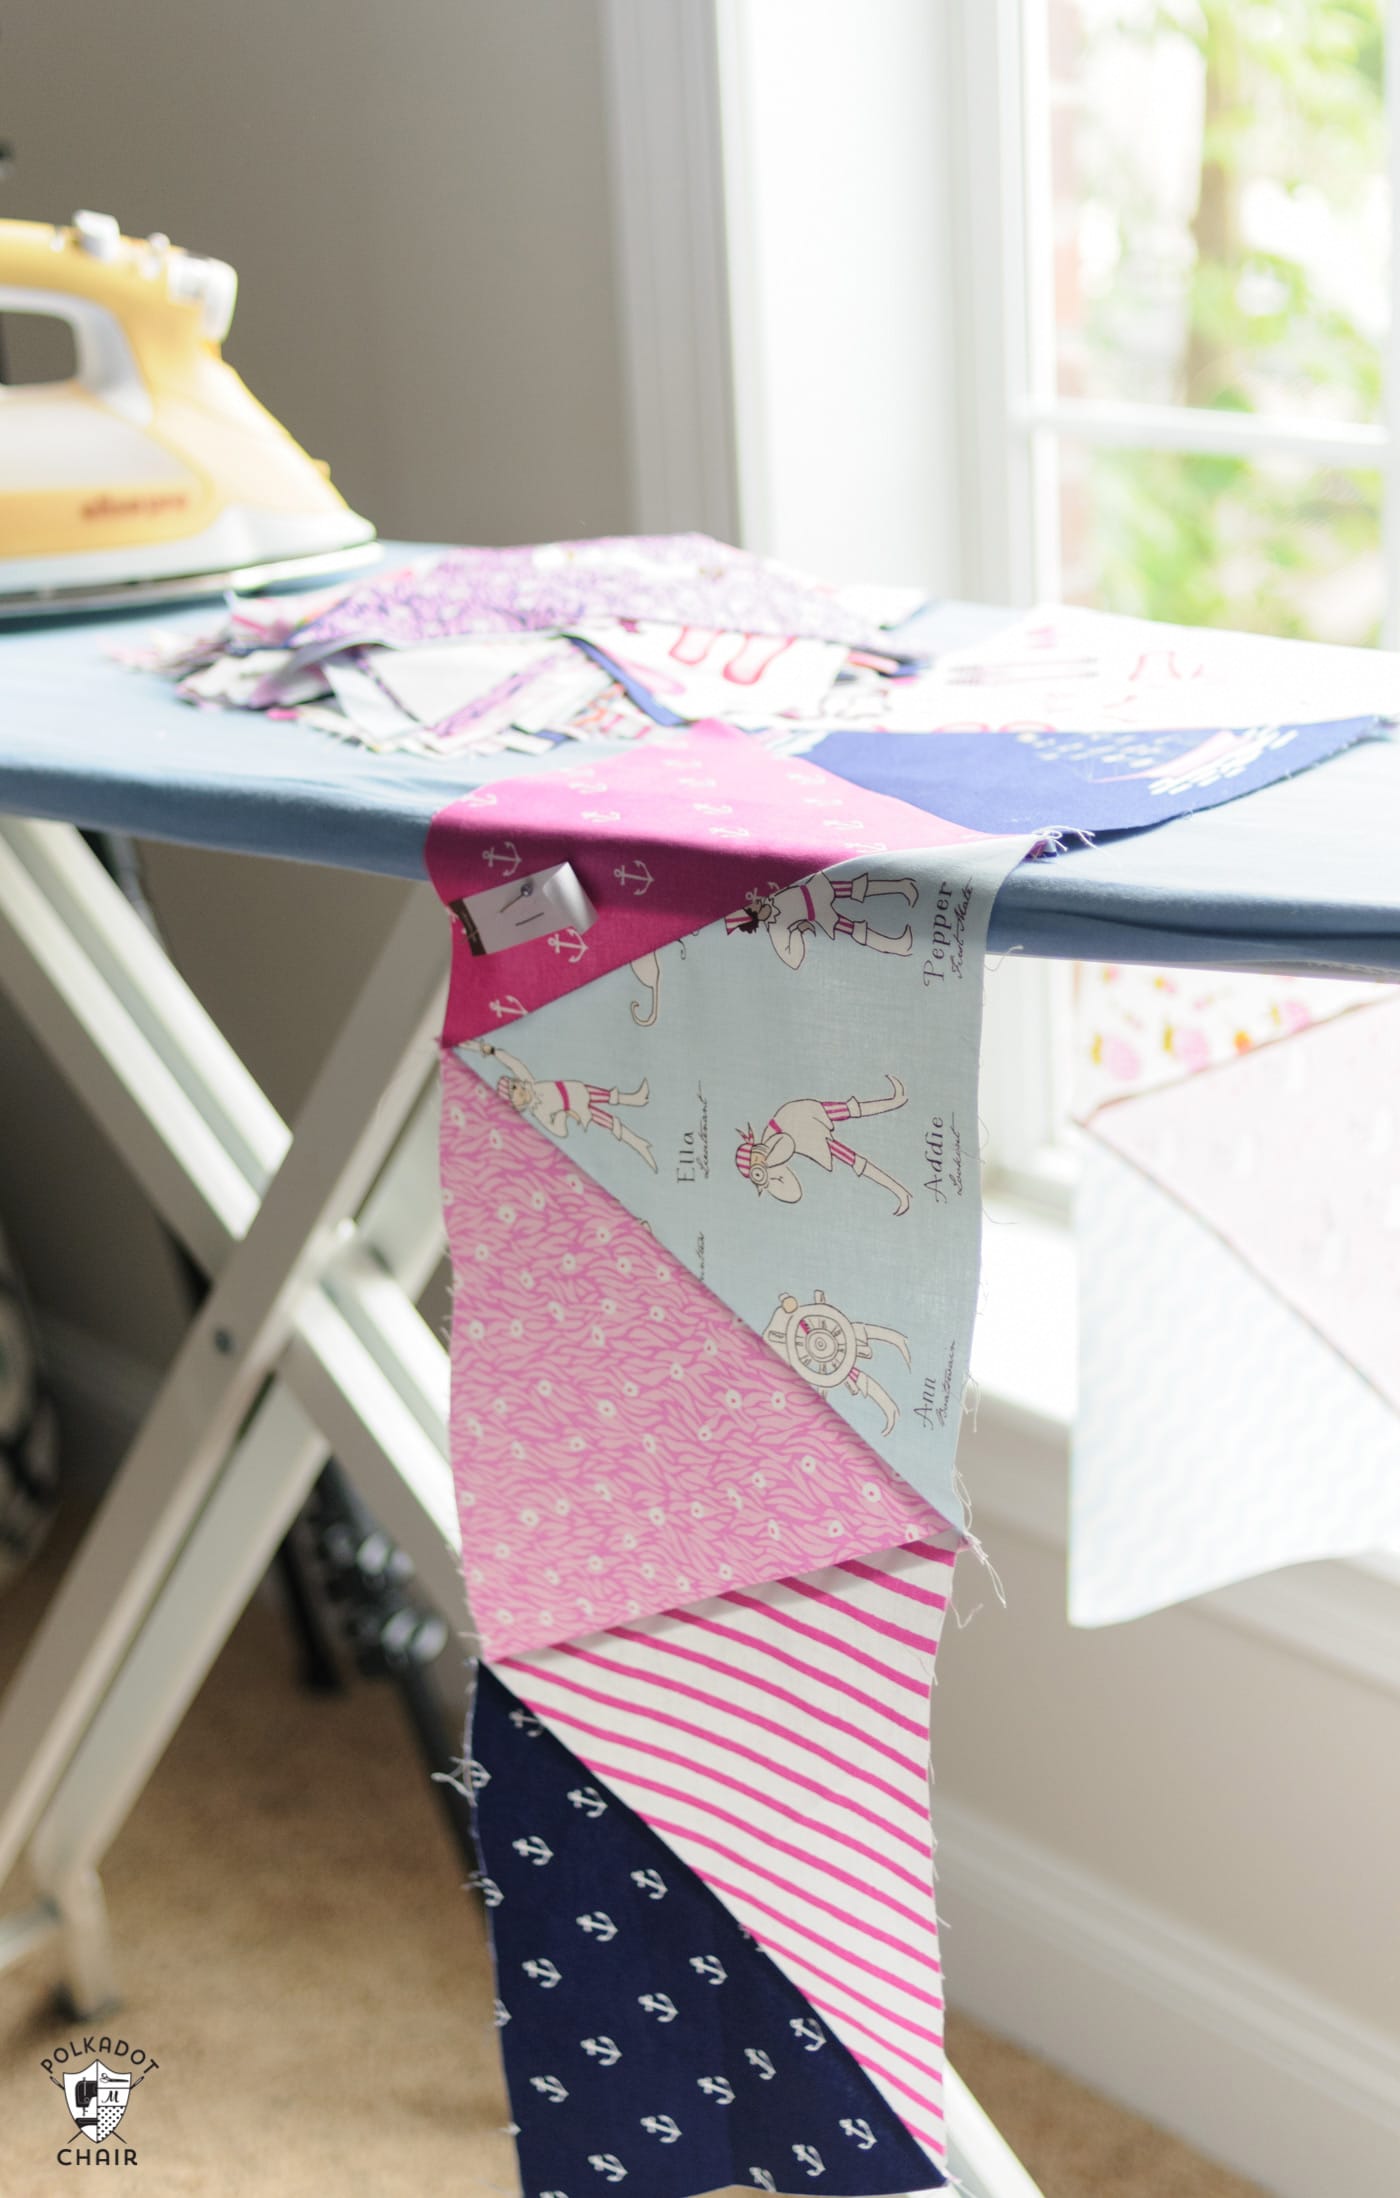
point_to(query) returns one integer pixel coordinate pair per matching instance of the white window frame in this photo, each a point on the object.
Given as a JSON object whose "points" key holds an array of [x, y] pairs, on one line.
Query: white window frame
{"points": [[1001, 62], [940, 423]]}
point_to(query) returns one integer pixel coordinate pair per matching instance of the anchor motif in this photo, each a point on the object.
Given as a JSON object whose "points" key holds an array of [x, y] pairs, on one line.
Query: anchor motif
{"points": [[862, 2132], [812, 2034], [534, 1849], [717, 2087], [650, 1882], [605, 2051], [808, 2156], [759, 2060], [608, 2163], [570, 942], [490, 1891], [708, 1967], [509, 862], [476, 1775], [501, 2014], [543, 1973], [551, 2087], [526, 1724], [639, 877], [659, 2004], [761, 2176], [509, 1006], [662, 2126], [589, 1800], [598, 1925]]}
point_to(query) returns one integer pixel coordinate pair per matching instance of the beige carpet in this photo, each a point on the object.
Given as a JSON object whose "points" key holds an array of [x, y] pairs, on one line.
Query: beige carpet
{"points": [[299, 1955]]}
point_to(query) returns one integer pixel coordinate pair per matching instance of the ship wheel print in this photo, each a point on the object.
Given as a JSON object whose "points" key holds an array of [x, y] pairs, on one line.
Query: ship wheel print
{"points": [[821, 1342]]}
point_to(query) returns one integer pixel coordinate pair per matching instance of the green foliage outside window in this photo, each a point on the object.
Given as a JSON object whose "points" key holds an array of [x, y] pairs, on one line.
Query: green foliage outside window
{"points": [[1292, 117]]}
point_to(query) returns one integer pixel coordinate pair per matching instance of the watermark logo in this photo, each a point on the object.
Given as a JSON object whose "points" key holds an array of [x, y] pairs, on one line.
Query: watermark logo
{"points": [[97, 2076]]}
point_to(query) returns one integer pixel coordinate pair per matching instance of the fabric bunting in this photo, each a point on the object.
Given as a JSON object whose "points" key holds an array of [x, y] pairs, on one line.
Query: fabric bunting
{"points": [[799, 1130], [662, 841], [623, 1442], [648, 2040], [1239, 1283], [777, 1739]]}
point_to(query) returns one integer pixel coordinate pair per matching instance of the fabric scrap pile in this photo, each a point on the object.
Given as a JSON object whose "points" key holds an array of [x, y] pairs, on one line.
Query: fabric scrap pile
{"points": [[1067, 719], [484, 652]]}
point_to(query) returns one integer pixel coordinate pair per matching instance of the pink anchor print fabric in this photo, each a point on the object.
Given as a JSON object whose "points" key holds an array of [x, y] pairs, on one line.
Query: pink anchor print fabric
{"points": [[776, 1738], [621, 1440], [677, 579], [663, 839]]}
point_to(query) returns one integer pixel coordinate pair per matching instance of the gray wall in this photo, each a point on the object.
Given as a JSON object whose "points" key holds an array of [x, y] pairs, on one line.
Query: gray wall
{"points": [[416, 200]]}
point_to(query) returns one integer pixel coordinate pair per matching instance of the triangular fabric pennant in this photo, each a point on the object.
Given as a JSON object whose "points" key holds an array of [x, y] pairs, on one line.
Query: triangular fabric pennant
{"points": [[621, 1441], [1288, 1154], [1218, 1435], [1082, 782], [777, 1739]]}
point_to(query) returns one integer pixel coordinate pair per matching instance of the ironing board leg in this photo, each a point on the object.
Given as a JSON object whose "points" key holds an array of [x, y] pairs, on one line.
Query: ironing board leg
{"points": [[978, 2154], [266, 1481], [351, 1120]]}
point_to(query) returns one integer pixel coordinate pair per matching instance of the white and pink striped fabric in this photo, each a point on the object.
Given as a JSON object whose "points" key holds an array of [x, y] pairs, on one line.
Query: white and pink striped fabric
{"points": [[777, 1738]]}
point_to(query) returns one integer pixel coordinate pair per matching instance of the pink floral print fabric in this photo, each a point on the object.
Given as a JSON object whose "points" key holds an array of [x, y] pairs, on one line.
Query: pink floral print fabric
{"points": [[622, 1443]]}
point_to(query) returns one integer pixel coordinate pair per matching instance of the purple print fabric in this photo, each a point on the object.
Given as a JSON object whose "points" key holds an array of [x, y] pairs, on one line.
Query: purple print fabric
{"points": [[678, 579], [1081, 782]]}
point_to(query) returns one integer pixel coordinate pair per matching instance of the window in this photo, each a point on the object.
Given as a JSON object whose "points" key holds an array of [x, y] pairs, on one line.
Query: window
{"points": [[1193, 199], [1027, 300], [1184, 209]]}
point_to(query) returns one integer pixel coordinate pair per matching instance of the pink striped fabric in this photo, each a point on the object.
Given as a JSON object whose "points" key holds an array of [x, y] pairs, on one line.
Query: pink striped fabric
{"points": [[777, 1739]]}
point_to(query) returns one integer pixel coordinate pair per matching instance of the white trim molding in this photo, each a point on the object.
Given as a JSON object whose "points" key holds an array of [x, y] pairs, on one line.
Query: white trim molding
{"points": [[1201, 2040]]}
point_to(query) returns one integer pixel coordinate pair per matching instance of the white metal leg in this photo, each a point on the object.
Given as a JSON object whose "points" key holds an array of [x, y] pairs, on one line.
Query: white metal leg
{"points": [[978, 2154], [203, 1140], [257, 1497]]}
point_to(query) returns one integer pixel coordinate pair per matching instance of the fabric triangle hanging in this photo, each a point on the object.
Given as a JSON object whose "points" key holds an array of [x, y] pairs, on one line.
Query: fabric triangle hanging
{"points": [[648, 2041]]}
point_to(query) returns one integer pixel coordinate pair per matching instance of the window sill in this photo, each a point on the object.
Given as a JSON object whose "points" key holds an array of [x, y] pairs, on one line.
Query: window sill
{"points": [[1025, 1346]]}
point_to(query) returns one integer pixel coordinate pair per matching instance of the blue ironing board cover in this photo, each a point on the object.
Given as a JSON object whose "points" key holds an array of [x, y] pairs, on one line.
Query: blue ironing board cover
{"points": [[1303, 875]]}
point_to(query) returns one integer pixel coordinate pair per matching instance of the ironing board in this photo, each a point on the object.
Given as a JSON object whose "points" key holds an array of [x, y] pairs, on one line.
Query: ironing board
{"points": [[318, 1242]]}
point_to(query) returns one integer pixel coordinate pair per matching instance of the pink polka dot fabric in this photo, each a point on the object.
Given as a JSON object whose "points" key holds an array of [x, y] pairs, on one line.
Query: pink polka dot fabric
{"points": [[622, 1443]]}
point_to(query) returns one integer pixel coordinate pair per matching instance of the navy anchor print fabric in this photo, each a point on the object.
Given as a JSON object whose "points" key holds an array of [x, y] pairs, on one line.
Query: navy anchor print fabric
{"points": [[647, 2040]]}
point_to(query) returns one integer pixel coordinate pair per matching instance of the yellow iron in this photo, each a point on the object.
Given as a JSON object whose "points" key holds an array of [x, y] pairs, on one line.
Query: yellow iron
{"points": [[153, 472]]}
